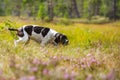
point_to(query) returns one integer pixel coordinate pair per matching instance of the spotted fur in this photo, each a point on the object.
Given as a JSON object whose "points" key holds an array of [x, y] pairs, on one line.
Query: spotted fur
{"points": [[42, 35]]}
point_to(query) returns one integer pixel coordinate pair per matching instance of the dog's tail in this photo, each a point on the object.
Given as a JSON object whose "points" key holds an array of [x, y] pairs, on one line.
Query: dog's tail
{"points": [[12, 29]]}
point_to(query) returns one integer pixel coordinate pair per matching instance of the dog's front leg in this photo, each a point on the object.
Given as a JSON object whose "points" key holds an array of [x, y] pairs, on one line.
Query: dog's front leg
{"points": [[17, 41], [27, 41], [43, 44], [21, 39], [54, 43]]}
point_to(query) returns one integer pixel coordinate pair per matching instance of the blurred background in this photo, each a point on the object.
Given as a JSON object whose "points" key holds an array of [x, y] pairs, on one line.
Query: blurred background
{"points": [[49, 10], [93, 52]]}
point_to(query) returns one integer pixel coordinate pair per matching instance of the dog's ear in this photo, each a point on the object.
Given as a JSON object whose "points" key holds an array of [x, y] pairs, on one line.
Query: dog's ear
{"points": [[57, 38], [20, 32]]}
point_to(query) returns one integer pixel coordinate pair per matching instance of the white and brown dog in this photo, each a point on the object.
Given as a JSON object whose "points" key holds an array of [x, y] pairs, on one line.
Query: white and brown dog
{"points": [[42, 35]]}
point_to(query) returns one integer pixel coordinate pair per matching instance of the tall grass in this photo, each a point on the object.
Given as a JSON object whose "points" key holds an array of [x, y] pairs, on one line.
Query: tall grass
{"points": [[92, 54]]}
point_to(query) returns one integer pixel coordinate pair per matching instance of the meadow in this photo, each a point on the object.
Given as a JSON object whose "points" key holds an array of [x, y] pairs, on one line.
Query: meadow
{"points": [[93, 53]]}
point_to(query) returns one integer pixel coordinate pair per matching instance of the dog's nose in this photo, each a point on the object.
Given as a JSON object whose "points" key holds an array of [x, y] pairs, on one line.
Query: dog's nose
{"points": [[67, 41]]}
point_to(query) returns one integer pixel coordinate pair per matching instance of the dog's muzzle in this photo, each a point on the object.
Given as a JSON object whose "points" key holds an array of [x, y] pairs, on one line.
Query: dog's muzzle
{"points": [[66, 42]]}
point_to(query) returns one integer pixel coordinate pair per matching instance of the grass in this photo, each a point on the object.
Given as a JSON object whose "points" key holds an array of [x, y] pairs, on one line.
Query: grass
{"points": [[92, 54]]}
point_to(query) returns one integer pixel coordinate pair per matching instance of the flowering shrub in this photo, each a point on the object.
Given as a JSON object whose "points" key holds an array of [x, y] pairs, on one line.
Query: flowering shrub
{"points": [[53, 68]]}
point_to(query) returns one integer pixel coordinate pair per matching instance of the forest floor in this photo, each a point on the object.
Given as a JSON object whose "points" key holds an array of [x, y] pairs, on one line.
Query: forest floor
{"points": [[93, 53]]}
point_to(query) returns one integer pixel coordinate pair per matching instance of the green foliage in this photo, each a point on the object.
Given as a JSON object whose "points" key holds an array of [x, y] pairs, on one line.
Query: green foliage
{"points": [[118, 8], [28, 1], [41, 12], [10, 24], [2, 12], [85, 11], [61, 8], [103, 9], [64, 21]]}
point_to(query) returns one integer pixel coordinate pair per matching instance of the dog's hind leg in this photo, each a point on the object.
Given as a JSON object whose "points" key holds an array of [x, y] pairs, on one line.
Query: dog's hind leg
{"points": [[45, 41]]}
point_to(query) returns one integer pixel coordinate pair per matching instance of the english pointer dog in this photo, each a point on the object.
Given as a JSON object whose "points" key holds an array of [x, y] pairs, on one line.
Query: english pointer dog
{"points": [[42, 35]]}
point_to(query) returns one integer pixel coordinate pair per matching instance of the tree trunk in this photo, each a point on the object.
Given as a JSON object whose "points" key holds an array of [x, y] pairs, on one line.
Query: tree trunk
{"points": [[50, 10], [114, 9], [96, 12], [112, 12], [96, 7], [75, 8], [81, 7]]}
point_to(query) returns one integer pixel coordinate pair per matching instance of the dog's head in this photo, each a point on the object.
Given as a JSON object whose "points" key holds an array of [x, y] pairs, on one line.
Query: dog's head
{"points": [[64, 40], [60, 38], [20, 32]]}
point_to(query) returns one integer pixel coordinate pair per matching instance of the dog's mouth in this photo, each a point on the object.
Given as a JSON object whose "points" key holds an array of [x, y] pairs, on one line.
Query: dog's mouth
{"points": [[65, 42]]}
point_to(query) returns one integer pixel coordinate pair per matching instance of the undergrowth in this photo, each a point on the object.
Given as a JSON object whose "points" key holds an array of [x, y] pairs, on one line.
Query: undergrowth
{"points": [[92, 54]]}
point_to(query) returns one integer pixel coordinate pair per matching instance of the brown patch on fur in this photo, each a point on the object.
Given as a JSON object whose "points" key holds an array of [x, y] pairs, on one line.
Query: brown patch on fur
{"points": [[20, 33]]}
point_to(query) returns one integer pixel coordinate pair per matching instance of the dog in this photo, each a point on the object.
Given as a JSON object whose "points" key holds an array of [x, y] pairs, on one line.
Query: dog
{"points": [[42, 35]]}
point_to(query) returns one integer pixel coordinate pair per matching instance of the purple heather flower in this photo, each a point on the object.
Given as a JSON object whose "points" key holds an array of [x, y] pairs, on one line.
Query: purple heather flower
{"points": [[89, 77], [98, 63], [27, 78], [34, 69], [83, 65], [45, 63], [36, 61], [73, 74], [23, 78], [1, 72], [89, 55], [45, 71], [111, 75], [31, 78], [54, 57], [93, 60], [84, 59], [66, 76]]}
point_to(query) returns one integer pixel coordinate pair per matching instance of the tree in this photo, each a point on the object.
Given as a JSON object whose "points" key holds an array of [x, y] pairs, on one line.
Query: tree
{"points": [[94, 7], [61, 8], [81, 7], [50, 10], [2, 7], [113, 10], [118, 10], [74, 9], [16, 10]]}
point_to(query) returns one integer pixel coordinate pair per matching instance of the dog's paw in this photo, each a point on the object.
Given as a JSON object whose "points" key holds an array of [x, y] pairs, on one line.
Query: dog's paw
{"points": [[15, 43]]}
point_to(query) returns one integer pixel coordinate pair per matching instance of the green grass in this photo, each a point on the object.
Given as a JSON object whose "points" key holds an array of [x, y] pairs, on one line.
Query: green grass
{"points": [[93, 52]]}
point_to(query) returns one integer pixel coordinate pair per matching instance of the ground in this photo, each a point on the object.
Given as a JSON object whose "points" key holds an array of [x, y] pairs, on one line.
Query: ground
{"points": [[92, 54]]}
